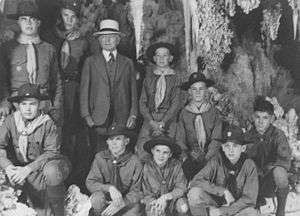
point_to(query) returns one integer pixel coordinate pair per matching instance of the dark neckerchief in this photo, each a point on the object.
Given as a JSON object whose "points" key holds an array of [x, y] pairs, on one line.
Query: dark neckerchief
{"points": [[117, 163], [231, 172]]}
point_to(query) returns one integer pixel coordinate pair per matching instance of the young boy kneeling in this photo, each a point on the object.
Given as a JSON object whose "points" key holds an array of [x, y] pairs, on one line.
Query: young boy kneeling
{"points": [[271, 153], [30, 152], [115, 177], [228, 184], [164, 183]]}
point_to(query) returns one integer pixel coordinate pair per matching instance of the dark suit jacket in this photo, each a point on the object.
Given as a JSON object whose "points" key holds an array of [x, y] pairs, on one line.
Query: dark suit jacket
{"points": [[95, 94]]}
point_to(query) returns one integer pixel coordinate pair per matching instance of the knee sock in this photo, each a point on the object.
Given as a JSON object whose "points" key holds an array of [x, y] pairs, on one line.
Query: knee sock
{"points": [[281, 195]]}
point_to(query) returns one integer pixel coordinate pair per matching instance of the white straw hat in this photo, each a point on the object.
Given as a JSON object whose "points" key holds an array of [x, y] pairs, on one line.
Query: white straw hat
{"points": [[109, 26]]}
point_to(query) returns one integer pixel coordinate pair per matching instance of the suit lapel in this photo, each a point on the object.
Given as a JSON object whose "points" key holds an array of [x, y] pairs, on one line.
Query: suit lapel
{"points": [[119, 65], [101, 67]]}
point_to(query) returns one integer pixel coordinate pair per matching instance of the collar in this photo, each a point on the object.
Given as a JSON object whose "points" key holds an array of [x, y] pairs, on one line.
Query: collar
{"points": [[24, 39], [163, 71], [106, 54]]}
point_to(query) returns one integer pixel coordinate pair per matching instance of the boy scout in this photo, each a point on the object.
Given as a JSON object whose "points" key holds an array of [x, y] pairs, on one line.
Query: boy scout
{"points": [[199, 126], [271, 152], [159, 102], [115, 177], [228, 184], [28, 59], [164, 183], [30, 153]]}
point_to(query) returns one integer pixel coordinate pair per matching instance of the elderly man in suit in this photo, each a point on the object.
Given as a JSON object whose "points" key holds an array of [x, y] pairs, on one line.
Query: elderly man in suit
{"points": [[108, 94]]}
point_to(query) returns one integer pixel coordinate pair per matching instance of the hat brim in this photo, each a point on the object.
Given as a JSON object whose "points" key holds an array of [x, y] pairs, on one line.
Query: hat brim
{"points": [[175, 149], [152, 49], [19, 98], [16, 16], [236, 141], [99, 33], [186, 85], [129, 134]]}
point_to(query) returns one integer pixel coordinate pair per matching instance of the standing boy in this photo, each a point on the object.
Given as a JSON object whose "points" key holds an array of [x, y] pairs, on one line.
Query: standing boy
{"points": [[159, 102], [164, 183], [199, 126], [228, 184], [115, 177], [271, 153], [108, 94], [28, 59], [30, 152]]}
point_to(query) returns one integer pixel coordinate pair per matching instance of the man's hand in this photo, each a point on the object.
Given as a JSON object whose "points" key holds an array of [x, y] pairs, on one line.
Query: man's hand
{"points": [[228, 197], [89, 121], [131, 122], [21, 173], [10, 172], [4, 110], [113, 208], [215, 212]]}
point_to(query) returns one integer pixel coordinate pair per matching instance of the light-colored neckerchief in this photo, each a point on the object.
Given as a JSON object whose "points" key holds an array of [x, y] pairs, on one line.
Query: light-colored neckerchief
{"points": [[161, 84], [198, 122], [25, 131], [30, 54]]}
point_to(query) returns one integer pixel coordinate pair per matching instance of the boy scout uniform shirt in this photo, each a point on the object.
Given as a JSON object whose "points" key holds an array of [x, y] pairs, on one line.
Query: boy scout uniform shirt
{"points": [[13, 55], [268, 150], [100, 175], [42, 145], [171, 103], [186, 136], [169, 179], [212, 180]]}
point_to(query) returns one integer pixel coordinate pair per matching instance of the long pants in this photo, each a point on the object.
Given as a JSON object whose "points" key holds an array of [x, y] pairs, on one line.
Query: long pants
{"points": [[200, 201], [99, 203]]}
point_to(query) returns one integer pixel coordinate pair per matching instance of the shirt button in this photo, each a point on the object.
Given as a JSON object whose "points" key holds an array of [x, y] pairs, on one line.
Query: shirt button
{"points": [[261, 139], [163, 182], [18, 68]]}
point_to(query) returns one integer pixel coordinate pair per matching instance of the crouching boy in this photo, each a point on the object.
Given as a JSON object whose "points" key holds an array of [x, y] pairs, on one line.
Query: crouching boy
{"points": [[228, 184], [271, 153], [164, 183], [115, 177], [30, 153]]}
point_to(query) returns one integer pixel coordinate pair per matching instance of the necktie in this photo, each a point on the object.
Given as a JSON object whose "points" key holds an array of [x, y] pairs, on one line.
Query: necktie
{"points": [[111, 57], [116, 178]]}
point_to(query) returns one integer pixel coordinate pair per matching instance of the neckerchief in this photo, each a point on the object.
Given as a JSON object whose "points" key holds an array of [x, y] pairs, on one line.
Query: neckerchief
{"points": [[117, 163], [232, 172], [25, 131], [161, 84], [198, 122], [31, 65], [65, 51]]}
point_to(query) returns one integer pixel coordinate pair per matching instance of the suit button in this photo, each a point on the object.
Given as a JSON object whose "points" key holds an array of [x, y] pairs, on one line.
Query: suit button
{"points": [[18, 68]]}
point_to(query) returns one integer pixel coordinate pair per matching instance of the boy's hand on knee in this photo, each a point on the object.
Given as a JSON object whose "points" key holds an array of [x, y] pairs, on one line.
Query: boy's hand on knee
{"points": [[21, 174], [215, 212], [228, 197], [115, 194]]}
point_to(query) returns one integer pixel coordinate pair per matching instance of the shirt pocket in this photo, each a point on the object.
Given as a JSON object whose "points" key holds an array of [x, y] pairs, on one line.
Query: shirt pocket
{"points": [[18, 60]]}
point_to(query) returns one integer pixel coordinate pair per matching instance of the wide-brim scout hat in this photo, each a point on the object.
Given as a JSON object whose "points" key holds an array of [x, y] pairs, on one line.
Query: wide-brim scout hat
{"points": [[232, 133], [28, 90], [109, 26], [26, 8], [73, 5], [162, 140], [152, 49], [119, 130], [197, 77]]}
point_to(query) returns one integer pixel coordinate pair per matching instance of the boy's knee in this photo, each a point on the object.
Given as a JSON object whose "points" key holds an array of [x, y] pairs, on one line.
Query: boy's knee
{"points": [[56, 171], [182, 206], [280, 177], [195, 195], [98, 201]]}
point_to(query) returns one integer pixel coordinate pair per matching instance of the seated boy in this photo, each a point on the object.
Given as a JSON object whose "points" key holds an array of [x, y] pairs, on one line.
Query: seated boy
{"points": [[199, 126], [271, 153], [115, 177], [30, 153], [228, 184], [160, 98], [164, 183]]}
